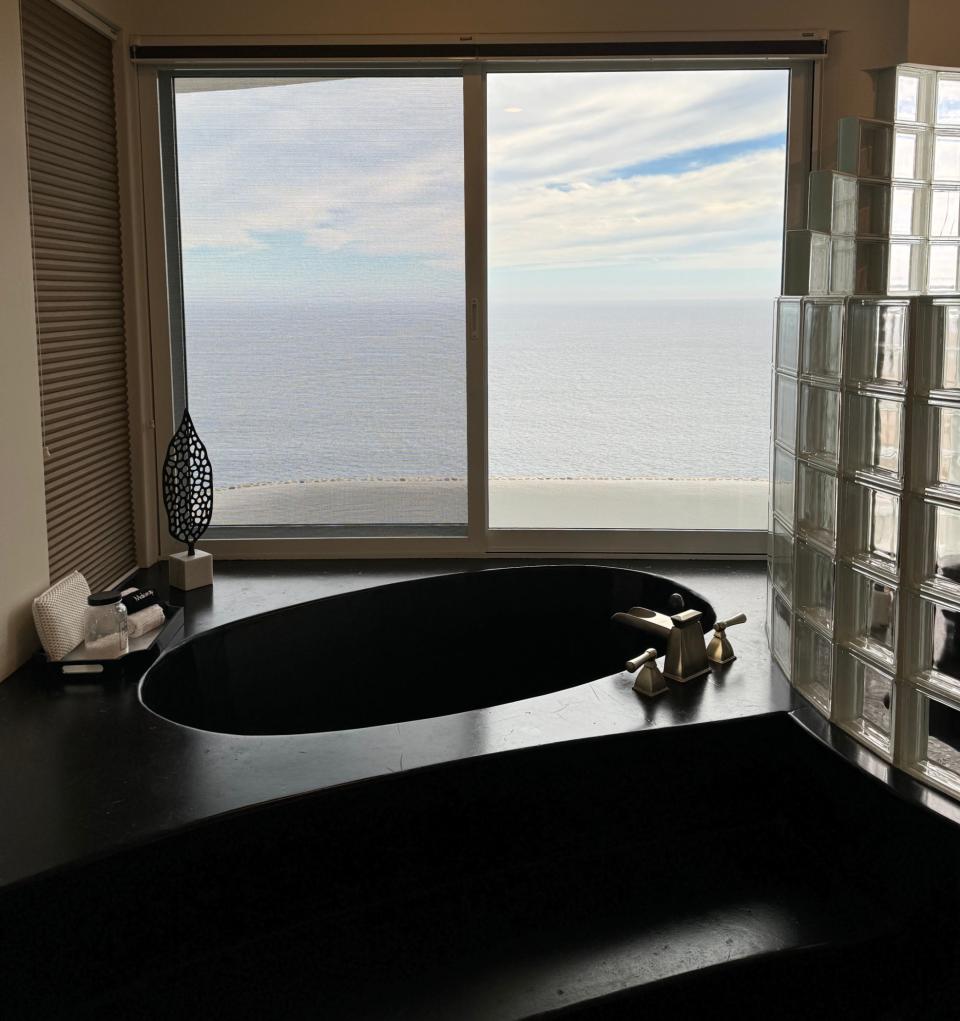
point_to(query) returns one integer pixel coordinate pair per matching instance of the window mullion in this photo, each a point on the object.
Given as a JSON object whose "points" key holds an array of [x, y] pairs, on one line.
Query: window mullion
{"points": [[475, 318]]}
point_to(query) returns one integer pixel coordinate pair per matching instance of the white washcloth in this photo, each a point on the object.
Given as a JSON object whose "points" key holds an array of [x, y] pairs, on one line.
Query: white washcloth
{"points": [[143, 621]]}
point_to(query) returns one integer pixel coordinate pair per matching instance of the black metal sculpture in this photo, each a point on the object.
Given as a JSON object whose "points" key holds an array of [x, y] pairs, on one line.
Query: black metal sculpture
{"points": [[187, 485]]}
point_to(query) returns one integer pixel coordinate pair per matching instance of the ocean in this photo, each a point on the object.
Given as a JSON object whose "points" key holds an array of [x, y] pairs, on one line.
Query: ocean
{"points": [[665, 389]]}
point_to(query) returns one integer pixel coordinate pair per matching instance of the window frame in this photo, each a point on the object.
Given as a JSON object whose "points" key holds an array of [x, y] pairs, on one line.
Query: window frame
{"points": [[164, 289]]}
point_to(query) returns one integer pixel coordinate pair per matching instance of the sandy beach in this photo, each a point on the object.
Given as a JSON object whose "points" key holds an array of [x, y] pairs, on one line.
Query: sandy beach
{"points": [[514, 503]]}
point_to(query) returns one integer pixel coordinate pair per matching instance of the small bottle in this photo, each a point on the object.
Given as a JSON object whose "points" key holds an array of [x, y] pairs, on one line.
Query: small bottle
{"points": [[106, 635]]}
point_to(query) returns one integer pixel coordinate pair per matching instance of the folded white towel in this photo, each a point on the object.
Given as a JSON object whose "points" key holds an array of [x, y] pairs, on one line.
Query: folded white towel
{"points": [[143, 621]]}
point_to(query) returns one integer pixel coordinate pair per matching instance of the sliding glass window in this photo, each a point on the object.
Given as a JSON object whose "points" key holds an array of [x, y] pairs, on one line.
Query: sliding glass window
{"points": [[635, 237], [321, 237], [572, 269]]}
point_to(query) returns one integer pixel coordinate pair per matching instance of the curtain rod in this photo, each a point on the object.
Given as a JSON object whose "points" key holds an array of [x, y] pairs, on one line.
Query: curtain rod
{"points": [[756, 48]]}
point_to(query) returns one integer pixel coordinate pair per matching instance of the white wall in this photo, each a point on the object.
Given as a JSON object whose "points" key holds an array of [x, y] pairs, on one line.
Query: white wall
{"points": [[23, 544]]}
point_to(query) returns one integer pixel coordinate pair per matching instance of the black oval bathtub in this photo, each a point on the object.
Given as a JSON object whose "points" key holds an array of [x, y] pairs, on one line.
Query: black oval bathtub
{"points": [[409, 650]]}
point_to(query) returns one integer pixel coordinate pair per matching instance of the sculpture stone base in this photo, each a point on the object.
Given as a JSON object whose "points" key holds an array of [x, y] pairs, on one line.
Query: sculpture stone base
{"points": [[188, 572]]}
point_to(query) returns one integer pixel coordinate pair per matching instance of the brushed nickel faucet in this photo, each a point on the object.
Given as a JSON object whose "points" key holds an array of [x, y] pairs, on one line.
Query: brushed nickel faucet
{"points": [[686, 650], [688, 655]]}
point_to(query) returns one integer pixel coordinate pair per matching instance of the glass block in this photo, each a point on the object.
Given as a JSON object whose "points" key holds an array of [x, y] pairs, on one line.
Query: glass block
{"points": [[911, 153], [907, 105], [806, 262], [940, 752], [936, 449], [832, 202], [785, 411], [872, 265], [905, 267], [944, 212], [873, 208], [817, 504], [897, 210], [947, 446], [871, 530], [944, 540], [933, 649], [905, 94], [864, 147], [889, 267], [908, 210], [939, 334], [822, 338], [781, 560], [782, 634], [948, 98], [877, 342], [784, 482], [813, 665], [788, 334], [874, 436], [863, 699], [943, 267], [814, 585], [820, 423], [868, 609], [946, 156], [843, 265]]}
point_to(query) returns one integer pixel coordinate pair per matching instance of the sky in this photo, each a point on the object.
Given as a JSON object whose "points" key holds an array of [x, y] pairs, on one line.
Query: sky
{"points": [[610, 186]]}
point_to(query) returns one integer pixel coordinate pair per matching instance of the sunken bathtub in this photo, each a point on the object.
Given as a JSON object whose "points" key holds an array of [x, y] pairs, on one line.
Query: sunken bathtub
{"points": [[409, 650]]}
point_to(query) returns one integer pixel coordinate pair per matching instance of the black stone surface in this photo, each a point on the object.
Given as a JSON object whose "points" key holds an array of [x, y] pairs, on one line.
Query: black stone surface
{"points": [[619, 877], [85, 771], [582, 852]]}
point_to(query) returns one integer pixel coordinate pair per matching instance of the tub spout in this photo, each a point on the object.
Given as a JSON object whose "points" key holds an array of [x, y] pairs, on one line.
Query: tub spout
{"points": [[648, 621]]}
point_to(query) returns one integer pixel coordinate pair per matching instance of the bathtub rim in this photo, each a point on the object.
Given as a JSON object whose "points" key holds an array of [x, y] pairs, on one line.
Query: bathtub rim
{"points": [[432, 579]]}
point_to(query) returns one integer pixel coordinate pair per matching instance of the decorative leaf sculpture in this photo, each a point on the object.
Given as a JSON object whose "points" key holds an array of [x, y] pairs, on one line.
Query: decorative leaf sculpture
{"points": [[187, 485]]}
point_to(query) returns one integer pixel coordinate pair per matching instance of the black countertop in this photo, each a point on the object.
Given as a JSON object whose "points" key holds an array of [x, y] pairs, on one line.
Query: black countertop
{"points": [[84, 773]]}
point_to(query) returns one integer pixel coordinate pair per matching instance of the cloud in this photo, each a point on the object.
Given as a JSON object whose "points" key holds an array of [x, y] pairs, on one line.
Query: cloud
{"points": [[333, 164], [586, 124], [693, 216], [682, 170]]}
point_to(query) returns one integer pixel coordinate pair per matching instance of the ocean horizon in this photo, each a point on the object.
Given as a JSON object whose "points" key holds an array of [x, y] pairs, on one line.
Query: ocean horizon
{"points": [[605, 390]]}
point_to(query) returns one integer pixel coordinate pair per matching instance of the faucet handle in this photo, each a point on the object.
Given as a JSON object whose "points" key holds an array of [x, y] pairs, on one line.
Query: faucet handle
{"points": [[649, 680], [719, 649], [650, 656], [722, 625]]}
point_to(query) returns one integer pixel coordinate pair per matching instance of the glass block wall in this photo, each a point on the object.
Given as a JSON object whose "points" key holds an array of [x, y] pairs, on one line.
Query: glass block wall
{"points": [[863, 601]]}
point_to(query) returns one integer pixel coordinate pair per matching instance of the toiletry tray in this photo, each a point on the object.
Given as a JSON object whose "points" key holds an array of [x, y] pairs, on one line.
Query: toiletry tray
{"points": [[78, 667]]}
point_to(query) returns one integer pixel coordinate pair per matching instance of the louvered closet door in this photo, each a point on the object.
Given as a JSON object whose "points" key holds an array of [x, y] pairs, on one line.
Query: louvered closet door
{"points": [[75, 216]]}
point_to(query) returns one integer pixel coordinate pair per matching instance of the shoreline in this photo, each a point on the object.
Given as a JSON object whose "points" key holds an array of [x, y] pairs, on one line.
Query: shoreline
{"points": [[525, 502], [493, 478]]}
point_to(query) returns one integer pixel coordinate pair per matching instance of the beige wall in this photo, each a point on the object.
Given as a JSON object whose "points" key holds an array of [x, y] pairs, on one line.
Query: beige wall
{"points": [[934, 32], [869, 33], [23, 545], [222, 17]]}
